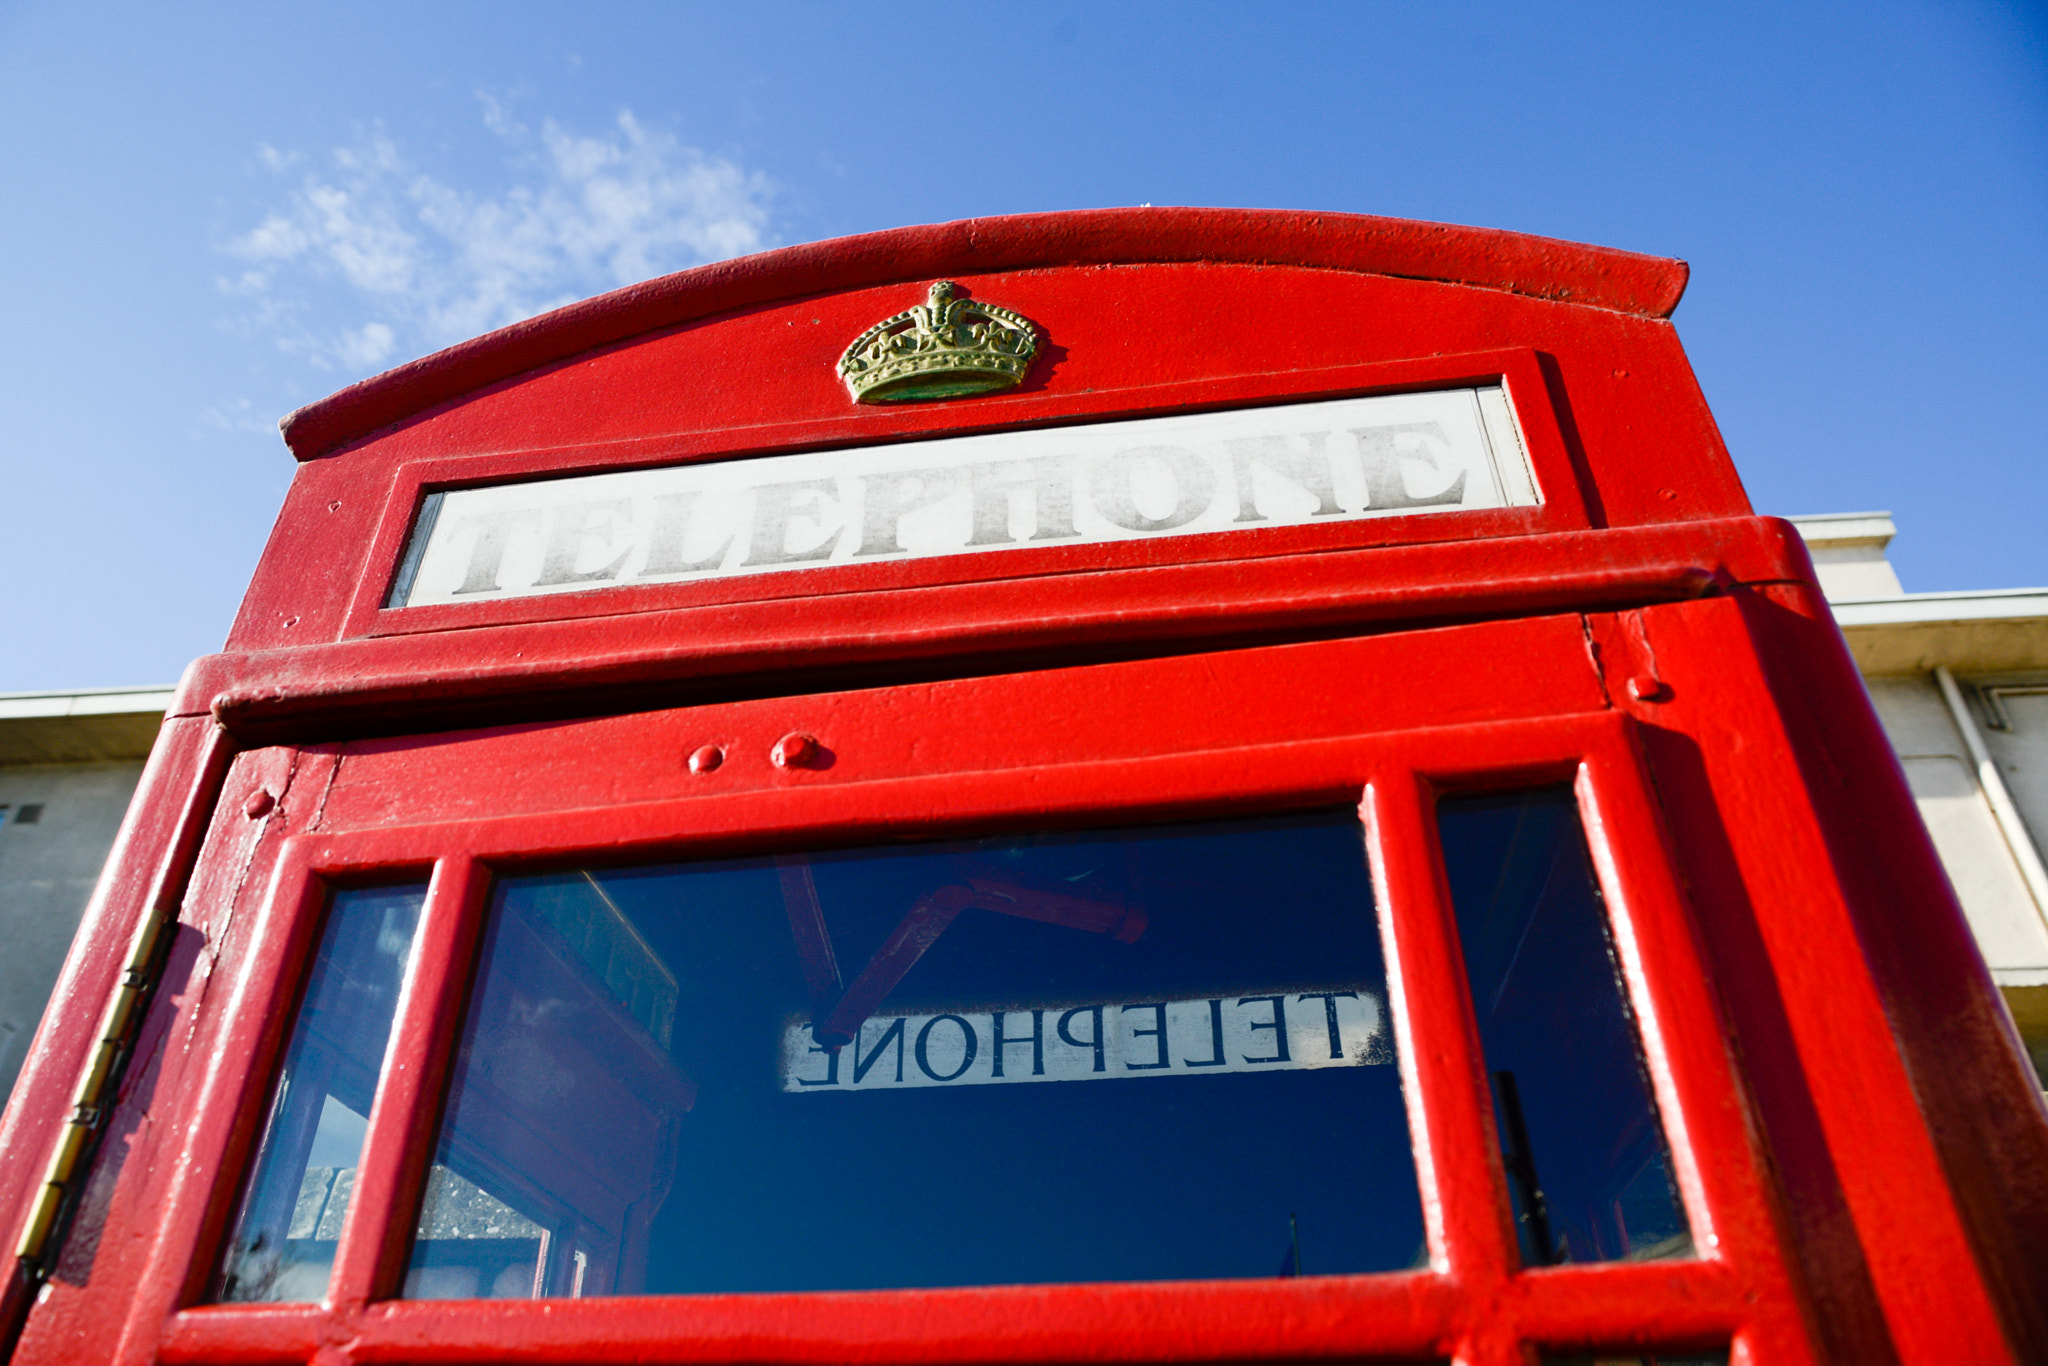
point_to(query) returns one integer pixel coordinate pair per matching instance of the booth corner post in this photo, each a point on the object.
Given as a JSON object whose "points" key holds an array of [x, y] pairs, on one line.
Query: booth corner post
{"points": [[1026, 769]]}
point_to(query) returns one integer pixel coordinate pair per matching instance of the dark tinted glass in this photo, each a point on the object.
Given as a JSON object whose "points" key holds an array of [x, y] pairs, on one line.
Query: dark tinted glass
{"points": [[284, 1234], [1587, 1164], [1140, 1054]]}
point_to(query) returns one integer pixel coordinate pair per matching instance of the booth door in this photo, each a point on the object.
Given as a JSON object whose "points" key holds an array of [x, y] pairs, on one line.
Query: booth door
{"points": [[1333, 997]]}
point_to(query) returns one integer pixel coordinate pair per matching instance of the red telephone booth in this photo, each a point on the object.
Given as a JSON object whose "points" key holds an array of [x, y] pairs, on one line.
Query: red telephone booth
{"points": [[1149, 785]]}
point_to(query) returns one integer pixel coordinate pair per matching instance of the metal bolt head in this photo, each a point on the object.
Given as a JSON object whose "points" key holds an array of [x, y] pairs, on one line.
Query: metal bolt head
{"points": [[1644, 688], [705, 758], [794, 750], [259, 804]]}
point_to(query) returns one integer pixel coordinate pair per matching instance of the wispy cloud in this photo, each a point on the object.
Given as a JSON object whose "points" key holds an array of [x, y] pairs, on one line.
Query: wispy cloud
{"points": [[369, 258]]}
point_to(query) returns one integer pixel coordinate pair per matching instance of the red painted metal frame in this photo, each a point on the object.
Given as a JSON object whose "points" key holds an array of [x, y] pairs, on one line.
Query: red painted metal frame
{"points": [[1474, 1302], [144, 876], [1563, 507], [1861, 1147], [1878, 1051], [1279, 726], [648, 658]]}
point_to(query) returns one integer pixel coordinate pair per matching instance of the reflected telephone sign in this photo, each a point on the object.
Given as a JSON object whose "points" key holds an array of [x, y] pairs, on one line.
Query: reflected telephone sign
{"points": [[701, 777]]}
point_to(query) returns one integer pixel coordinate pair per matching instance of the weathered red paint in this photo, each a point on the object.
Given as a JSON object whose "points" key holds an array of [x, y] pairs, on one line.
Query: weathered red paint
{"points": [[1862, 1155]]}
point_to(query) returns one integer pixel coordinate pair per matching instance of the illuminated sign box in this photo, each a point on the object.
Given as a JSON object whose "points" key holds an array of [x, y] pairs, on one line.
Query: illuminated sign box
{"points": [[1450, 450]]}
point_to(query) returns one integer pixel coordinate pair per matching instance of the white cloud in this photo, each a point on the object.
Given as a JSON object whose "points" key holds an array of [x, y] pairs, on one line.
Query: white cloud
{"points": [[237, 415], [366, 346], [371, 258]]}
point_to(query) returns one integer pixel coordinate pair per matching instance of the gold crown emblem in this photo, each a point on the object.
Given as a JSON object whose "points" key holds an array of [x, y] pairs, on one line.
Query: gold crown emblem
{"points": [[945, 347]]}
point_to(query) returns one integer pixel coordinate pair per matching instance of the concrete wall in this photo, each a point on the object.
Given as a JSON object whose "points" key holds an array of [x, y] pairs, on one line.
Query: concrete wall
{"points": [[47, 870], [69, 763], [2008, 925]]}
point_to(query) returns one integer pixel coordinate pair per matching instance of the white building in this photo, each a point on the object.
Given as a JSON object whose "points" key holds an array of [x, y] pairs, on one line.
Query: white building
{"points": [[1960, 681], [69, 763]]}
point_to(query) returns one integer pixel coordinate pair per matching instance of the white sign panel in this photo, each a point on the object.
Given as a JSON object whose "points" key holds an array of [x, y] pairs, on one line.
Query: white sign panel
{"points": [[1269, 1032], [1452, 450]]}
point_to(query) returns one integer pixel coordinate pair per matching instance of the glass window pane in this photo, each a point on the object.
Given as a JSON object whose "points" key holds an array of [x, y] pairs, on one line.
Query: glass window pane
{"points": [[642, 1102], [290, 1216], [1588, 1168]]}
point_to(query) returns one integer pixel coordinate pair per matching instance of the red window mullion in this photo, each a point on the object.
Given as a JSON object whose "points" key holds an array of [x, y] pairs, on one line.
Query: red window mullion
{"points": [[1608, 1306], [1464, 1193], [400, 1134]]}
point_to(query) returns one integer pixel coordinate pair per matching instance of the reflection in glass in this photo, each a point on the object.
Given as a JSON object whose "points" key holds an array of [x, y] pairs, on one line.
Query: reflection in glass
{"points": [[290, 1216], [877, 1068], [1587, 1166]]}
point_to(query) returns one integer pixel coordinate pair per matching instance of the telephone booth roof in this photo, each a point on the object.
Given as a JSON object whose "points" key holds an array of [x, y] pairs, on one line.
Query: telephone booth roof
{"points": [[1482, 258], [1142, 311]]}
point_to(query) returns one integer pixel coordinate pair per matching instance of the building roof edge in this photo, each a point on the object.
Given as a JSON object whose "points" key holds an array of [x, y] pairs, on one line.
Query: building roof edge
{"points": [[1921, 609]]}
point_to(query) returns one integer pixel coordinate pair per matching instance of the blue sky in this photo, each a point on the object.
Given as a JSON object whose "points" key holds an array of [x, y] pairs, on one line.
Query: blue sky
{"points": [[215, 213]]}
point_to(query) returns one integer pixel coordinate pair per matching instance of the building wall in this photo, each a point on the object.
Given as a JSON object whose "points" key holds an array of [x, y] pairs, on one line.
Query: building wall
{"points": [[1975, 756], [2008, 925], [48, 865], [69, 763]]}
